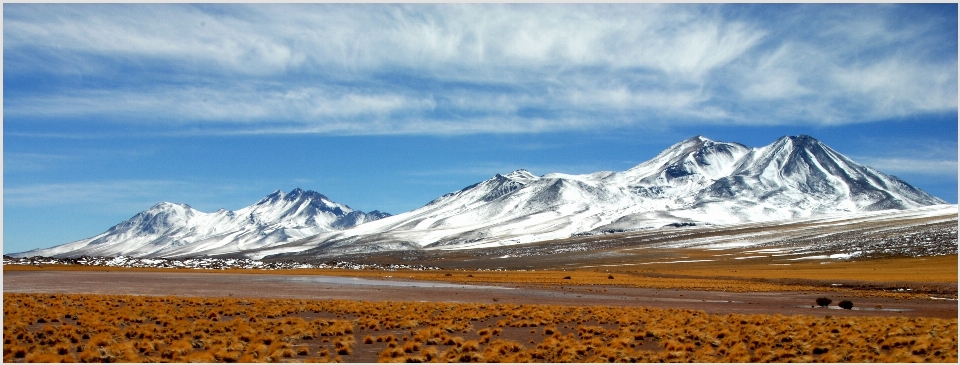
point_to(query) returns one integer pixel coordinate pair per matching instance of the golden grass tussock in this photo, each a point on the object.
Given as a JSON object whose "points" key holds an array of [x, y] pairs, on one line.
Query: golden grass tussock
{"points": [[411, 347], [344, 345], [337, 328], [115, 328]]}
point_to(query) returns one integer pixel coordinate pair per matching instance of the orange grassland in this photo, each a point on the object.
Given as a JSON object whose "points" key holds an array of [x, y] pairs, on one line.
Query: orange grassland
{"points": [[123, 328]]}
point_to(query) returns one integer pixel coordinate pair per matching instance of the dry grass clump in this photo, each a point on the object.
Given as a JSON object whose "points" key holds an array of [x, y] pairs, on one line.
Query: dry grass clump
{"points": [[108, 328], [337, 328], [344, 345]]}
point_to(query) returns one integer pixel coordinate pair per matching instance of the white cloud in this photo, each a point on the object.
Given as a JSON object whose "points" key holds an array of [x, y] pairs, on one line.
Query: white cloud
{"points": [[912, 166], [238, 105], [128, 196], [777, 75], [17, 162], [274, 38], [95, 193], [895, 87], [450, 69], [905, 155]]}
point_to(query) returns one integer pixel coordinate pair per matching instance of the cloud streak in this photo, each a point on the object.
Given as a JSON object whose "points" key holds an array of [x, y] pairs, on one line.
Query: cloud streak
{"points": [[466, 69], [913, 166], [93, 193], [19, 162], [124, 196]]}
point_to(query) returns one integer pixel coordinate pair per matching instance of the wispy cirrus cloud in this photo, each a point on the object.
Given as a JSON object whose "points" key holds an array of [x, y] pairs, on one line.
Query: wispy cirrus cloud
{"points": [[465, 69], [18, 162], [238, 106], [133, 195], [916, 166], [92, 192], [912, 157]]}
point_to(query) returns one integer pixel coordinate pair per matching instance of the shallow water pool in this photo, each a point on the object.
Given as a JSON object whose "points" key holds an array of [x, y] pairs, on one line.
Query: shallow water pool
{"points": [[339, 280]]}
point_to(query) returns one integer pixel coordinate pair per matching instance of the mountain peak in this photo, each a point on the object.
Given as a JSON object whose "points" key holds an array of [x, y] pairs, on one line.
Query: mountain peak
{"points": [[802, 137], [801, 140], [697, 141], [169, 206], [273, 197], [698, 138], [692, 145], [691, 159], [520, 174], [295, 194], [300, 194]]}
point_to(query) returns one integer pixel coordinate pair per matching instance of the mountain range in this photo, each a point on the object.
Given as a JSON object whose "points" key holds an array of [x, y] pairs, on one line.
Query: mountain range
{"points": [[694, 182], [177, 230]]}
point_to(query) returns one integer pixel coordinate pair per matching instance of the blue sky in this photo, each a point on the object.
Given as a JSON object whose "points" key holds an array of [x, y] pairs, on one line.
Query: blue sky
{"points": [[109, 109]]}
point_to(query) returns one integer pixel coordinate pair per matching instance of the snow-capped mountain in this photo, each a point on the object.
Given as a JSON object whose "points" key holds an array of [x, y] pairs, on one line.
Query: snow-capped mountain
{"points": [[696, 181], [176, 230]]}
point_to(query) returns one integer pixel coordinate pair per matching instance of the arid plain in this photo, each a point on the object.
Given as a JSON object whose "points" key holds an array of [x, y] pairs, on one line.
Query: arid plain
{"points": [[622, 300]]}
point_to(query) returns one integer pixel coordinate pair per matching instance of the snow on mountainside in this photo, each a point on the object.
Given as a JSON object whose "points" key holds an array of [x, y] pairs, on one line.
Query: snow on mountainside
{"points": [[696, 181], [176, 230], [693, 182]]}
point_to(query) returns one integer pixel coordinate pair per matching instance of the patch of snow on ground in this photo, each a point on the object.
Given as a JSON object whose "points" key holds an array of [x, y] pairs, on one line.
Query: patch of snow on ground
{"points": [[770, 250], [726, 245], [836, 256], [672, 262]]}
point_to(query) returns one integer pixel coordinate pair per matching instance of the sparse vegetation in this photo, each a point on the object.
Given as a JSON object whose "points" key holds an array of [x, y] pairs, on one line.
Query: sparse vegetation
{"points": [[823, 302], [118, 328]]}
